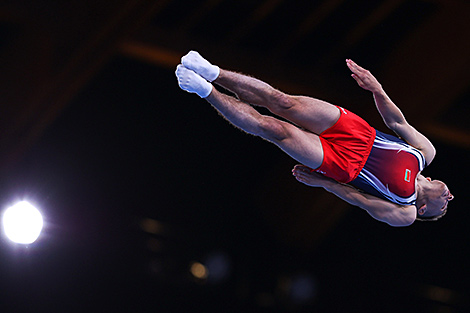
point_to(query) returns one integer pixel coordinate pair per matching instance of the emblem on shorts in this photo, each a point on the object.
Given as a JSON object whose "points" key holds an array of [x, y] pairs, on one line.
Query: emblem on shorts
{"points": [[407, 175]]}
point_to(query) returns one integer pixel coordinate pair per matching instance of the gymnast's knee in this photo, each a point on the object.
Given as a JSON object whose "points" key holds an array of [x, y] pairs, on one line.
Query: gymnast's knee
{"points": [[271, 129], [282, 101]]}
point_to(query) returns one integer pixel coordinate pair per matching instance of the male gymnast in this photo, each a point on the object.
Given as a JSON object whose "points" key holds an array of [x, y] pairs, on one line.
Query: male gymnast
{"points": [[337, 149]]}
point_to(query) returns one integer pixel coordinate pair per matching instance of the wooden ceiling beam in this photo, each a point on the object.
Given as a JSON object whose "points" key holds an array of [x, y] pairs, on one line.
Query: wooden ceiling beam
{"points": [[256, 17], [362, 29], [36, 103], [308, 25], [438, 74], [199, 13]]}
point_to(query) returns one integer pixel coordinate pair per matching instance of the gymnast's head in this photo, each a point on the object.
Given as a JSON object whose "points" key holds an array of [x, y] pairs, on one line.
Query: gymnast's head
{"points": [[433, 198]]}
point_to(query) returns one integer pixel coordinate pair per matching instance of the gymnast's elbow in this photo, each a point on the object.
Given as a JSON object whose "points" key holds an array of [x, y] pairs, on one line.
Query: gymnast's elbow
{"points": [[401, 219], [401, 223], [392, 214]]}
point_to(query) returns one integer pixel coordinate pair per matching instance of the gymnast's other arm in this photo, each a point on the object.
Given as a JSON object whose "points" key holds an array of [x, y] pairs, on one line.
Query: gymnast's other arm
{"points": [[391, 114], [382, 210]]}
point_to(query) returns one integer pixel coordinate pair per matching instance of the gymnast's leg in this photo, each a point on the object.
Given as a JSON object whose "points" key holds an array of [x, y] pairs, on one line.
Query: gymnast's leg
{"points": [[303, 146], [309, 113]]}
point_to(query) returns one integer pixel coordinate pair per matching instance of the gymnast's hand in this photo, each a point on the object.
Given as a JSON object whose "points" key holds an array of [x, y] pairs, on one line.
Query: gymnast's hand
{"points": [[305, 175], [363, 77]]}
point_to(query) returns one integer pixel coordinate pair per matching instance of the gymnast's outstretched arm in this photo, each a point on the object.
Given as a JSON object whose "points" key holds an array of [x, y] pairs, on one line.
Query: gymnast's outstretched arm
{"points": [[384, 211], [391, 114]]}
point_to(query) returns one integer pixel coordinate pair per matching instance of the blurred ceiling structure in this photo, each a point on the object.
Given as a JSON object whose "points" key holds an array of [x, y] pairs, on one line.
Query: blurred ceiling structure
{"points": [[50, 50]]}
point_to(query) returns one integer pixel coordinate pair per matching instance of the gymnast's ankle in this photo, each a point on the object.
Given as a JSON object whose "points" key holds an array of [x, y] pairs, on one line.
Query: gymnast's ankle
{"points": [[192, 82], [194, 61]]}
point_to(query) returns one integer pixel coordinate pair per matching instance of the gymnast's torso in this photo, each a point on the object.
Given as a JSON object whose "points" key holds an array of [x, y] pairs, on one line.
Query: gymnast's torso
{"points": [[391, 170]]}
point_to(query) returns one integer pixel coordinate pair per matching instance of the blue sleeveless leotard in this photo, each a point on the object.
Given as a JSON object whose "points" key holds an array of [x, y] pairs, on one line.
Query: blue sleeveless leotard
{"points": [[391, 170]]}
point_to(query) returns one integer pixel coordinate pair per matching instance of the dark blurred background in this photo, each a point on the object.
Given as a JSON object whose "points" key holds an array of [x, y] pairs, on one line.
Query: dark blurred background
{"points": [[153, 203]]}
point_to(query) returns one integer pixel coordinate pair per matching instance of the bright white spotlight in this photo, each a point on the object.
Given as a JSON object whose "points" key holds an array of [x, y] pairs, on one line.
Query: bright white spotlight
{"points": [[22, 223]]}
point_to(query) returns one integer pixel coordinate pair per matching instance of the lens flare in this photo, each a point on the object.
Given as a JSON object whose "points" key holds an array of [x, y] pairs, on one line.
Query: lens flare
{"points": [[22, 223]]}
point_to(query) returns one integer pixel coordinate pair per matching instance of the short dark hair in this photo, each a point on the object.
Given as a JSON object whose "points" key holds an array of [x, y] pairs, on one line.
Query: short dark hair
{"points": [[431, 218]]}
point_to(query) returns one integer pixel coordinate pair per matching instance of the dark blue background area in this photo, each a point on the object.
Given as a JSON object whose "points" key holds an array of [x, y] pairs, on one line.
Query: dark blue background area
{"points": [[132, 145]]}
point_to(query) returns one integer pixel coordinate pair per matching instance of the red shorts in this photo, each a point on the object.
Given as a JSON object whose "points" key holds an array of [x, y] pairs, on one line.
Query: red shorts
{"points": [[346, 147]]}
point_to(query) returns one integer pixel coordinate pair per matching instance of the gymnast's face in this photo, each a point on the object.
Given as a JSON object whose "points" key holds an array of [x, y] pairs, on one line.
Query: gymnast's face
{"points": [[439, 197]]}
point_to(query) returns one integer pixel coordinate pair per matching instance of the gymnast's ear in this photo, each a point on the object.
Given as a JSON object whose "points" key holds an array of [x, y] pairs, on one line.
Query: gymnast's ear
{"points": [[422, 209]]}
